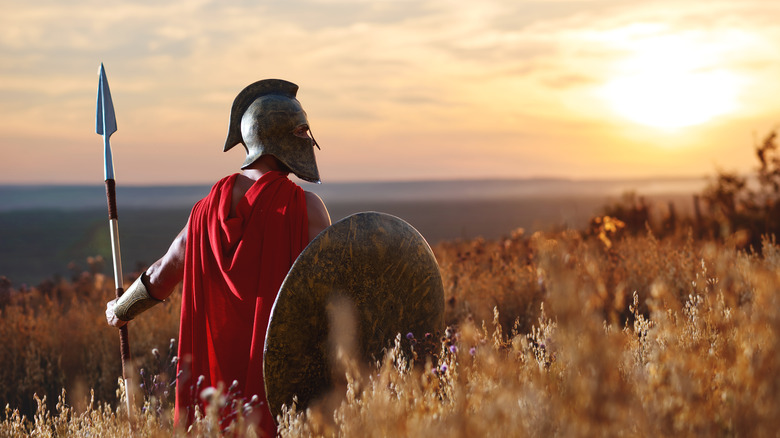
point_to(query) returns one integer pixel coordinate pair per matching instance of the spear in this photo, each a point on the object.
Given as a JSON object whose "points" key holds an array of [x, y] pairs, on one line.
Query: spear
{"points": [[105, 125]]}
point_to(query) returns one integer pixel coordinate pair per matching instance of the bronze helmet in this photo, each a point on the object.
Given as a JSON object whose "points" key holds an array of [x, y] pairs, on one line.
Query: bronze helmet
{"points": [[263, 118]]}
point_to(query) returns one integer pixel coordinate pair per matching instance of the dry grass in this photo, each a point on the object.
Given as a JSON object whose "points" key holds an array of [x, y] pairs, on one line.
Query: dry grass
{"points": [[551, 335]]}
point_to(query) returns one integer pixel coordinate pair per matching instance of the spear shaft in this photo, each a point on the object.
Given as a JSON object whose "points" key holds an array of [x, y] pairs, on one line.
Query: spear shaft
{"points": [[106, 125]]}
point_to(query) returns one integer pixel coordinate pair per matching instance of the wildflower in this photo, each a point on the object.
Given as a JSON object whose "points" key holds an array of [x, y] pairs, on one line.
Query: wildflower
{"points": [[156, 353], [208, 393], [453, 349], [199, 384], [410, 336], [472, 351], [443, 368]]}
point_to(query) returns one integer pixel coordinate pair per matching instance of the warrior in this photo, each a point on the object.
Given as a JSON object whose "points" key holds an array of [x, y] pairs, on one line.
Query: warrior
{"points": [[238, 245]]}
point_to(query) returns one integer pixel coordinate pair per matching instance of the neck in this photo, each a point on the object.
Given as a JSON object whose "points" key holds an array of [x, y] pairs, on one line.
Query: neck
{"points": [[263, 165]]}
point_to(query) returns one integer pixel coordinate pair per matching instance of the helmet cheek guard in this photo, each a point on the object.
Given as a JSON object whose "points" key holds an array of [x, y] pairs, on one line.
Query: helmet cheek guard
{"points": [[264, 118]]}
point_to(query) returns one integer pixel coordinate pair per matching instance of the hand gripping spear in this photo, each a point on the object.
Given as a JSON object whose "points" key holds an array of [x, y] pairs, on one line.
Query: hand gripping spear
{"points": [[105, 125]]}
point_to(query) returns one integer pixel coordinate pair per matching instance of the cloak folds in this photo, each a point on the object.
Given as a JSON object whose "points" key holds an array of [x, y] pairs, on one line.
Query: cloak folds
{"points": [[233, 269]]}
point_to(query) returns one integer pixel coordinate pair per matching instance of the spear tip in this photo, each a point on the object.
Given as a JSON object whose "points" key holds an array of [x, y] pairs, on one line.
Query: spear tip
{"points": [[105, 120]]}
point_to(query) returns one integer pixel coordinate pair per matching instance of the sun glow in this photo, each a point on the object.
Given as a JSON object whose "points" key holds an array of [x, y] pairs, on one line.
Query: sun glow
{"points": [[670, 82]]}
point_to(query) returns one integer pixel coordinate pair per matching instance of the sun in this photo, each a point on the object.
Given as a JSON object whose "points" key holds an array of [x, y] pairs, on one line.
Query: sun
{"points": [[670, 82]]}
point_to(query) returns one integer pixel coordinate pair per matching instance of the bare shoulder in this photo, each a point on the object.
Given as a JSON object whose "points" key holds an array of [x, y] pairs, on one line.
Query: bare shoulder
{"points": [[319, 218]]}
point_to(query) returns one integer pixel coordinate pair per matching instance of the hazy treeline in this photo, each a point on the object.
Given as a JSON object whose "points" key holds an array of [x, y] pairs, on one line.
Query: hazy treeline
{"points": [[742, 208]]}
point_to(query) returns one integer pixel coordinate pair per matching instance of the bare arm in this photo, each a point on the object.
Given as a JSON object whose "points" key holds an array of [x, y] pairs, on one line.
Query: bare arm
{"points": [[319, 219], [166, 273], [161, 277]]}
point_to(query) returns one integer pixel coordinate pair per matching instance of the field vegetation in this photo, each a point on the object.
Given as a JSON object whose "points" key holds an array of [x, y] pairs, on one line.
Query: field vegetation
{"points": [[632, 327]]}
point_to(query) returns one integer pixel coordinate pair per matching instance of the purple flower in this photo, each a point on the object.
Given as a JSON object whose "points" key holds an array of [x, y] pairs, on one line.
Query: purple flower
{"points": [[453, 349], [472, 351], [443, 368], [410, 336]]}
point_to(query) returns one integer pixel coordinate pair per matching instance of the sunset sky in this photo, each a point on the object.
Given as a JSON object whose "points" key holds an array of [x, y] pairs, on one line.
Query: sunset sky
{"points": [[394, 89]]}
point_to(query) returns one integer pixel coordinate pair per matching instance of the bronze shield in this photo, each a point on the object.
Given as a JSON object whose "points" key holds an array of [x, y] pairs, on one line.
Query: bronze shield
{"points": [[384, 271]]}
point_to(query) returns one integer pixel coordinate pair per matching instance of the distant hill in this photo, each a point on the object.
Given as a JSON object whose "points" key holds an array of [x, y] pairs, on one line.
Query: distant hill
{"points": [[72, 197]]}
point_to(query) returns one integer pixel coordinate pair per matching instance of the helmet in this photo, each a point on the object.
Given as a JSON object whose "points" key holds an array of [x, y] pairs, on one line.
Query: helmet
{"points": [[263, 118]]}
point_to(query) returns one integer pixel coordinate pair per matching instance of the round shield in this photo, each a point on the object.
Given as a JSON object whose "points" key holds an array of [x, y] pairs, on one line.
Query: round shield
{"points": [[356, 286]]}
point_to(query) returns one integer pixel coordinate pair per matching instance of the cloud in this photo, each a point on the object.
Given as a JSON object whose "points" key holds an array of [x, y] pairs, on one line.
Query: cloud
{"points": [[382, 71]]}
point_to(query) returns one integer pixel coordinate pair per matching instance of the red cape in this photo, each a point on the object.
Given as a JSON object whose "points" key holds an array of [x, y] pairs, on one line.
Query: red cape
{"points": [[233, 270]]}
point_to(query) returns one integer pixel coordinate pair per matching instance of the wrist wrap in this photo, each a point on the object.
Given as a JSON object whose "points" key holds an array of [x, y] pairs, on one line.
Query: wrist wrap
{"points": [[134, 301]]}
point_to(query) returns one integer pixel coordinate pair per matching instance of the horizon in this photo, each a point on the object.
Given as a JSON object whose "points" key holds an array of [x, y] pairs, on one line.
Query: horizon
{"points": [[387, 181], [394, 90]]}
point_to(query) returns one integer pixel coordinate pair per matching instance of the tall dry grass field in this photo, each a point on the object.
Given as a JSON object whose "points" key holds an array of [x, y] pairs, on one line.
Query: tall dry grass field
{"points": [[548, 335]]}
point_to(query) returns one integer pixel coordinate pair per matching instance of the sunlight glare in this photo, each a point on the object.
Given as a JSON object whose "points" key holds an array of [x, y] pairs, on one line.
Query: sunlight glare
{"points": [[670, 82]]}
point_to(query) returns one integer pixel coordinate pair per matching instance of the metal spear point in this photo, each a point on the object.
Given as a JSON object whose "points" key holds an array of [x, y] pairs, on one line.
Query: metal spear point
{"points": [[105, 125]]}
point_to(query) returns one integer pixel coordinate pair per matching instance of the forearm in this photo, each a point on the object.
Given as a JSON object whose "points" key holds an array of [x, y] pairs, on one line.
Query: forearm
{"points": [[153, 286], [162, 277]]}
